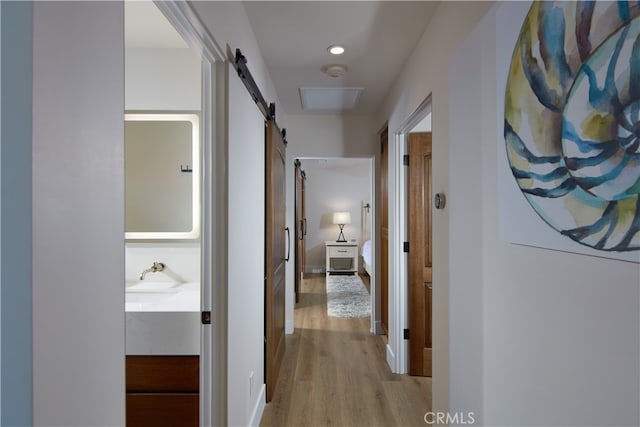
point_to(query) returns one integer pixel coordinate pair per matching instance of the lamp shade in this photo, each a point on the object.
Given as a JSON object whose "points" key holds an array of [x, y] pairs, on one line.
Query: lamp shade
{"points": [[342, 218]]}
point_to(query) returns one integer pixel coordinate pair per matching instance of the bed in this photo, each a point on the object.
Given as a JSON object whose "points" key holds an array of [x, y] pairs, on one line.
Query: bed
{"points": [[367, 257]]}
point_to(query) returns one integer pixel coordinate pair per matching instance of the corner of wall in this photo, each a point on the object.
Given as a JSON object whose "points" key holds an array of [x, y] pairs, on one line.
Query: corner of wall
{"points": [[258, 410], [289, 327]]}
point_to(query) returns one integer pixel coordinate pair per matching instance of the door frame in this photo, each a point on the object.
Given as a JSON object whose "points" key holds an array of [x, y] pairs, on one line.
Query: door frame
{"points": [[374, 286], [398, 347], [213, 339]]}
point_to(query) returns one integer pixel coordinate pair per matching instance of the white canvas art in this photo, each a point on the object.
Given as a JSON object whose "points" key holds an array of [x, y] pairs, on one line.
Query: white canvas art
{"points": [[569, 105]]}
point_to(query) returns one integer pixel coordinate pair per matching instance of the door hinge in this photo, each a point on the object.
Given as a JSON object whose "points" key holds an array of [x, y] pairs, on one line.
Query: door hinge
{"points": [[405, 160], [405, 247], [206, 317], [406, 334]]}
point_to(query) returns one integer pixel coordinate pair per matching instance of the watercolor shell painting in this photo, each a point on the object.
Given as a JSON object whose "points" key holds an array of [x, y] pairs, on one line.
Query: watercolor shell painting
{"points": [[572, 120]]}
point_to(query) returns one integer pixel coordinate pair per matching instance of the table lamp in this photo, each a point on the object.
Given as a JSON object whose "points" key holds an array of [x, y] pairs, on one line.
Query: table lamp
{"points": [[341, 218]]}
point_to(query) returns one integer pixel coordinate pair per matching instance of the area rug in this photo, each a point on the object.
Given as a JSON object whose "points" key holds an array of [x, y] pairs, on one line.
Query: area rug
{"points": [[347, 297]]}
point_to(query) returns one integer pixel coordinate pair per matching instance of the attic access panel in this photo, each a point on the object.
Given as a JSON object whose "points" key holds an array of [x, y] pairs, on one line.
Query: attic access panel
{"points": [[323, 99]]}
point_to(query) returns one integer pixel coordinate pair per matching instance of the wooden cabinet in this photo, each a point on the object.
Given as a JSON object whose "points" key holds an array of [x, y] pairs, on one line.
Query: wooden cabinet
{"points": [[163, 391], [342, 257]]}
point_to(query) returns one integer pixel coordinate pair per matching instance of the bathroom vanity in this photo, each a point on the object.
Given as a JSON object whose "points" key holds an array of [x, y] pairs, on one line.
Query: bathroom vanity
{"points": [[162, 353], [163, 390]]}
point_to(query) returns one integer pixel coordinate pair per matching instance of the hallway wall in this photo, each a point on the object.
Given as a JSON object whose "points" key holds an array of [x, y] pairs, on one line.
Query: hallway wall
{"points": [[427, 72], [78, 220], [531, 333], [551, 321]]}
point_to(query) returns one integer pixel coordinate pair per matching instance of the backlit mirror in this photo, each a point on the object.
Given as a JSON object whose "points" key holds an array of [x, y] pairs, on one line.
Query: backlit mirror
{"points": [[162, 176]]}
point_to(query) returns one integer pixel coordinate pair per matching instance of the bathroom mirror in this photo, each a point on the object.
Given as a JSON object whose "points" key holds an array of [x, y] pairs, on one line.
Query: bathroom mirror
{"points": [[162, 176]]}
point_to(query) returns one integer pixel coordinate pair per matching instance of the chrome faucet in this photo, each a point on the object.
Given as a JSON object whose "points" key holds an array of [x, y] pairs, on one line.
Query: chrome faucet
{"points": [[157, 266]]}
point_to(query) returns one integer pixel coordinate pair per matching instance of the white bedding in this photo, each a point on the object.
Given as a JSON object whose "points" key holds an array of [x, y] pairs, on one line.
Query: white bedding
{"points": [[367, 255]]}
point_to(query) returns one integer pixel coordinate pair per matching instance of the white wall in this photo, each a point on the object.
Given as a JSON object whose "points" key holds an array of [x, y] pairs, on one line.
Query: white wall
{"points": [[427, 72], [466, 229], [536, 337], [246, 217], [78, 205], [323, 136], [333, 185], [228, 24], [162, 79], [567, 313]]}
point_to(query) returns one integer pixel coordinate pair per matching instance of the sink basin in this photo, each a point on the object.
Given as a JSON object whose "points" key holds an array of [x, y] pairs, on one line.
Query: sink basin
{"points": [[147, 294], [147, 297], [152, 288], [162, 296]]}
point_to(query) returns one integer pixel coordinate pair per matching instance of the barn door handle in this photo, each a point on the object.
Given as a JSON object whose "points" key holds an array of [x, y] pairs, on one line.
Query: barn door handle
{"points": [[288, 244], [304, 233], [301, 230]]}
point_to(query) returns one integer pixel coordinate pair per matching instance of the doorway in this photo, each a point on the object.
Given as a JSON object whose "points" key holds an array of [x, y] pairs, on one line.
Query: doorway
{"points": [[162, 221], [200, 260], [339, 185], [400, 238]]}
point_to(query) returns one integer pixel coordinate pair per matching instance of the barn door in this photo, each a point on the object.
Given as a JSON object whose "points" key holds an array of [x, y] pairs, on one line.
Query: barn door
{"points": [[276, 253], [420, 267]]}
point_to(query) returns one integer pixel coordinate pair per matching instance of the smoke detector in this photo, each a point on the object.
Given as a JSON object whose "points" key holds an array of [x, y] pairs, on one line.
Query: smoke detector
{"points": [[334, 70]]}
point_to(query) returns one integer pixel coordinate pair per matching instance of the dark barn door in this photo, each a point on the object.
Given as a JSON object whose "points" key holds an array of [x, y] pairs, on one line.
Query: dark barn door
{"points": [[276, 252]]}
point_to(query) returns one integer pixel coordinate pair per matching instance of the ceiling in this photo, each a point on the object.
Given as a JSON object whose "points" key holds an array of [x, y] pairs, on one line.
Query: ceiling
{"points": [[293, 37], [378, 37], [146, 27]]}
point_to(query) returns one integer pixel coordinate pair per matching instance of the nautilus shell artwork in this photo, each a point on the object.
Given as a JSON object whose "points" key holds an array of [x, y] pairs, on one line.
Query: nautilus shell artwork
{"points": [[572, 119]]}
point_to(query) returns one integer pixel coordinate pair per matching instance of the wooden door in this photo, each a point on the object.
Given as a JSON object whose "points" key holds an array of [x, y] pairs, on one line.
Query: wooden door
{"points": [[420, 266], [301, 225], [276, 255], [384, 232]]}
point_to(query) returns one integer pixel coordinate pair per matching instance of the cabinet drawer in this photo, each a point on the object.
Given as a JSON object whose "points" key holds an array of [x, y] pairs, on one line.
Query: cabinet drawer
{"points": [[163, 409], [342, 251], [147, 374]]}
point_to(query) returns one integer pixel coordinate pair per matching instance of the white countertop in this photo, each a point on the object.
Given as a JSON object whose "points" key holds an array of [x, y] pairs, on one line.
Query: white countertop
{"points": [[162, 318], [162, 296]]}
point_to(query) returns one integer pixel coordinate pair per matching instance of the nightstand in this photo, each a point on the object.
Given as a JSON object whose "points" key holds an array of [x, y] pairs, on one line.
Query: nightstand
{"points": [[342, 257]]}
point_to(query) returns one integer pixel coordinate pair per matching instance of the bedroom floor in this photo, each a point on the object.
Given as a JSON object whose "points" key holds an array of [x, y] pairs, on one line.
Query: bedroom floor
{"points": [[335, 373]]}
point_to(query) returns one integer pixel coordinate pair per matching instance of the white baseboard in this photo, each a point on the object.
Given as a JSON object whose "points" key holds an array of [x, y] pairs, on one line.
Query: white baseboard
{"points": [[288, 327], [391, 359], [258, 410], [377, 328], [316, 269]]}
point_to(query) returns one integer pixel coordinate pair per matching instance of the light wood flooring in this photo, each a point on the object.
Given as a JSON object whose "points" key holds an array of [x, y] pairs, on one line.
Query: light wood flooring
{"points": [[335, 374]]}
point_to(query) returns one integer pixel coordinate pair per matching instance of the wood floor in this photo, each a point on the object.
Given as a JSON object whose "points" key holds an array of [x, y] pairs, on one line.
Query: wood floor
{"points": [[334, 373]]}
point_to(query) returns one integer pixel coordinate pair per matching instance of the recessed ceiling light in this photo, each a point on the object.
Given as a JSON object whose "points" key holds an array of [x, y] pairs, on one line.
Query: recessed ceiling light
{"points": [[336, 49]]}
